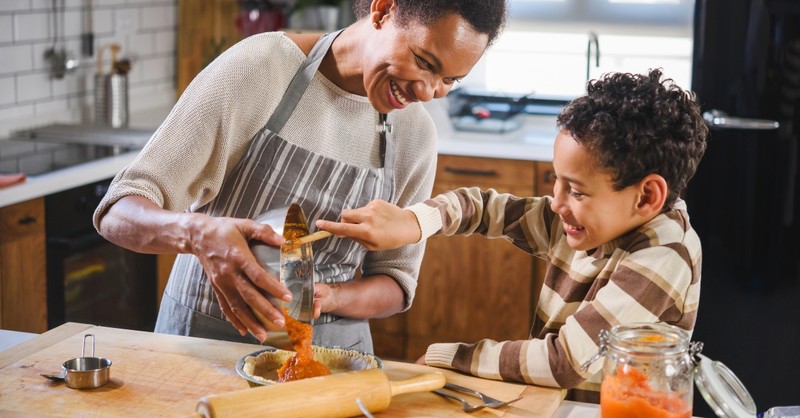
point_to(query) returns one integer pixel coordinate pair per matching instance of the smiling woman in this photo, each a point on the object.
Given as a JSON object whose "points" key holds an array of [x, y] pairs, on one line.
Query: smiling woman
{"points": [[326, 122]]}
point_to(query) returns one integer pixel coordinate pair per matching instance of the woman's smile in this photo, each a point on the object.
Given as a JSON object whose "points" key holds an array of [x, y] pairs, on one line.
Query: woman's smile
{"points": [[397, 97]]}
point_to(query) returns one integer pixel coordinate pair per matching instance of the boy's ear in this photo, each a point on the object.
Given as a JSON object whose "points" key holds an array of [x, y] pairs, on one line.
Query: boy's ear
{"points": [[653, 193]]}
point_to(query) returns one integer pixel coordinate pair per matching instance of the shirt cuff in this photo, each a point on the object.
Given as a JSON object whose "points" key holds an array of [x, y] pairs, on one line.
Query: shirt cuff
{"points": [[441, 355], [428, 218]]}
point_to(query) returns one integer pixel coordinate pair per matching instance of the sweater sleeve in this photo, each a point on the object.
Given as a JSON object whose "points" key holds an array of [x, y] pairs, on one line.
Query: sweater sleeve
{"points": [[653, 277], [465, 211]]}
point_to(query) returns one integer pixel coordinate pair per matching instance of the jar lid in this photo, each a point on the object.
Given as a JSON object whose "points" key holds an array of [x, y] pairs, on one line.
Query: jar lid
{"points": [[722, 390]]}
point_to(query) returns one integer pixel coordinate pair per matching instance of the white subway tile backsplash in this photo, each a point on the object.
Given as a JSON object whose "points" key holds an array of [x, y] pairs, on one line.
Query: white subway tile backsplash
{"points": [[146, 29], [74, 23], [140, 44], [34, 86], [165, 42], [14, 5], [102, 21], [7, 90], [158, 17], [15, 58], [159, 68], [126, 20], [32, 27], [6, 29]]}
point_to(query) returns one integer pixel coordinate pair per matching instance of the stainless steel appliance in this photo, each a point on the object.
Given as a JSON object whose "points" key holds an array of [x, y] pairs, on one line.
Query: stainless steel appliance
{"points": [[744, 199], [89, 279]]}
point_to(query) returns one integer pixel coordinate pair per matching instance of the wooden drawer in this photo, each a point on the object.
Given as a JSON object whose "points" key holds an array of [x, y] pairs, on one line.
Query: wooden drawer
{"points": [[484, 172], [545, 178], [21, 220]]}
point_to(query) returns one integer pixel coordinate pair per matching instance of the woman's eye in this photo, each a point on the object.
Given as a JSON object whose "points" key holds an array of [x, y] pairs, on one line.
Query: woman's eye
{"points": [[425, 65], [451, 80]]}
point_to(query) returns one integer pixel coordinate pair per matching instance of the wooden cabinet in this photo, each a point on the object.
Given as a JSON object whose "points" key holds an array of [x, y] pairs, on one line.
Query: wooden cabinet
{"points": [[206, 29], [470, 288], [23, 271]]}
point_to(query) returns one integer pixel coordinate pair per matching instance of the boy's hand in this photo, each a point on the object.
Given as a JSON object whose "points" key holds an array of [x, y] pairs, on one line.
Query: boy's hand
{"points": [[378, 226]]}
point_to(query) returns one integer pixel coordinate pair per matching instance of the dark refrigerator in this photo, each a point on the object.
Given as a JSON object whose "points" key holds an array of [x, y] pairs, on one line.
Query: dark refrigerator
{"points": [[744, 200]]}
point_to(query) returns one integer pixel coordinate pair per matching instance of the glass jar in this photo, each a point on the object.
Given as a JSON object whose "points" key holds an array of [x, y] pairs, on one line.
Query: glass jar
{"points": [[650, 369], [647, 372]]}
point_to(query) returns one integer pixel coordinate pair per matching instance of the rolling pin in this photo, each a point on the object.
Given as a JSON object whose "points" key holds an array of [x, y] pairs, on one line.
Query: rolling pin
{"points": [[324, 397]]}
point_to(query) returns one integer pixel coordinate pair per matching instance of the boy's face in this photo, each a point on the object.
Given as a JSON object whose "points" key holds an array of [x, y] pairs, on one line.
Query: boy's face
{"points": [[593, 212]]}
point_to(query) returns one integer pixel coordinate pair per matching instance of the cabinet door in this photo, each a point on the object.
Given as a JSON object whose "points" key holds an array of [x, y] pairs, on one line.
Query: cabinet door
{"points": [[472, 288], [23, 273]]}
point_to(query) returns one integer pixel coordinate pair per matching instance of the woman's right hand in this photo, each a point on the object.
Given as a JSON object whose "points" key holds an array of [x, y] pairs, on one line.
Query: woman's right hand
{"points": [[221, 246], [379, 225]]}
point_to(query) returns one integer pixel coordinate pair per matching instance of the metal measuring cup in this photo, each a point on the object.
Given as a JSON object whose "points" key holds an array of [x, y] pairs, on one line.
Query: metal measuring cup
{"points": [[84, 372]]}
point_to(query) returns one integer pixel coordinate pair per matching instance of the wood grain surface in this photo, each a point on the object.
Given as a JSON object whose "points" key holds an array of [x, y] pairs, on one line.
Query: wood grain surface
{"points": [[166, 375]]}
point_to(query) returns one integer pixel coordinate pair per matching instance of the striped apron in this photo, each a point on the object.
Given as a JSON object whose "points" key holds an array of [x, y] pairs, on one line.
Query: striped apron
{"points": [[275, 173]]}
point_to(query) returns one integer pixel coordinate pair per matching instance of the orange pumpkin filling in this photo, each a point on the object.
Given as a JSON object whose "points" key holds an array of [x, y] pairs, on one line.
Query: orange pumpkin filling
{"points": [[302, 364]]}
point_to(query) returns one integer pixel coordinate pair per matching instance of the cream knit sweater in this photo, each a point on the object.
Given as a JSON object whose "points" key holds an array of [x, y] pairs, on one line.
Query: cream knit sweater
{"points": [[183, 165]]}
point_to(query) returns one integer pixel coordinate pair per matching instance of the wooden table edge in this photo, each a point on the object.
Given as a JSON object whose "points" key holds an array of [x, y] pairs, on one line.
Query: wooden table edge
{"points": [[41, 342]]}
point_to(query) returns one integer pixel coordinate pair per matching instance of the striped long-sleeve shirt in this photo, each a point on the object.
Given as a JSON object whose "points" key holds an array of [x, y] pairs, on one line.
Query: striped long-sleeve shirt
{"points": [[650, 274]]}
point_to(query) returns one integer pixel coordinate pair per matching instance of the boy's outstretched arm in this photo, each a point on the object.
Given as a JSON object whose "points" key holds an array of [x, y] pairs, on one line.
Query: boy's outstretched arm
{"points": [[377, 226]]}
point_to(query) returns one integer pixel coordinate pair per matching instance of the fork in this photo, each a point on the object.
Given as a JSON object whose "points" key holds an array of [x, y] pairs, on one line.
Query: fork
{"points": [[466, 406], [487, 400]]}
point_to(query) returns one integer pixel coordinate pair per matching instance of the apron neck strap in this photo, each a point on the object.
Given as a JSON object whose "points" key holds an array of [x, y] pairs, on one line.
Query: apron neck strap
{"points": [[300, 82]]}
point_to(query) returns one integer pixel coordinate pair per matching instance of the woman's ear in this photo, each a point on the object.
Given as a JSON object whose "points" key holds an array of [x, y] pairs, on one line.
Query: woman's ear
{"points": [[379, 9], [653, 192]]}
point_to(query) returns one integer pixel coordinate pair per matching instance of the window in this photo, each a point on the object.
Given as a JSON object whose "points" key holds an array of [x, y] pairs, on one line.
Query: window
{"points": [[544, 50]]}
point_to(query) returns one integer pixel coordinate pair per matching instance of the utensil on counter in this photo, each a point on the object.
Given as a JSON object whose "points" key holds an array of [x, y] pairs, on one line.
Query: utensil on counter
{"points": [[293, 263], [466, 406], [84, 372], [487, 400], [333, 396]]}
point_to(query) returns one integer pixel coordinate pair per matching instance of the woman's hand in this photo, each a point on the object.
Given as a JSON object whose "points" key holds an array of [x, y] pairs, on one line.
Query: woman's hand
{"points": [[221, 246], [421, 360], [377, 226]]}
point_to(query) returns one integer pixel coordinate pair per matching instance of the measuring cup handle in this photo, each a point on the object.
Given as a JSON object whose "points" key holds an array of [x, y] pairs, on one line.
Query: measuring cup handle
{"points": [[83, 349]]}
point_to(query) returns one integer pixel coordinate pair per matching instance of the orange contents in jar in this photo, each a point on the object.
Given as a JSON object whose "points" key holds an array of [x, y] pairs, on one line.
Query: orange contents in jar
{"points": [[627, 395], [302, 364]]}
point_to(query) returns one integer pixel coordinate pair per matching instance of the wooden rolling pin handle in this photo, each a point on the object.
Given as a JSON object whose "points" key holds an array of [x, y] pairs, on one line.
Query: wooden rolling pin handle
{"points": [[422, 383], [331, 396]]}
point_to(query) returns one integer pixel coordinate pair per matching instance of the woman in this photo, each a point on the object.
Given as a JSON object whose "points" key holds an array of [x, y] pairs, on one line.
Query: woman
{"points": [[282, 118]]}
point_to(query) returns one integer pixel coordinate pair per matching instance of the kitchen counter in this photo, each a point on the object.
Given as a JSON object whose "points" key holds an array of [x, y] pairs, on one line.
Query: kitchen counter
{"points": [[533, 142], [78, 175], [165, 375]]}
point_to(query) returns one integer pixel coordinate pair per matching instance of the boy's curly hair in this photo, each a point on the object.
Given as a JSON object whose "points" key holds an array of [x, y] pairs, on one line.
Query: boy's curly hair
{"points": [[638, 125]]}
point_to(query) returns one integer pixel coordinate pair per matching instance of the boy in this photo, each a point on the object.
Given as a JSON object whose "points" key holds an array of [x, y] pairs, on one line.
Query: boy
{"points": [[616, 234]]}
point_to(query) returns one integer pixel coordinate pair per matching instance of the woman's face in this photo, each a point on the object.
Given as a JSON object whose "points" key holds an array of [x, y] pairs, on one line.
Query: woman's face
{"points": [[416, 63]]}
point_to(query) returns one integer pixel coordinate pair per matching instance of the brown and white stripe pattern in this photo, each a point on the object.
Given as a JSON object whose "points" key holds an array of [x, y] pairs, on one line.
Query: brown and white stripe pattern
{"points": [[651, 274]]}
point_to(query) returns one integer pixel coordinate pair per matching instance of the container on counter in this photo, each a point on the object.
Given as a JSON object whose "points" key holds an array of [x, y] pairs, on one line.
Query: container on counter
{"points": [[650, 369]]}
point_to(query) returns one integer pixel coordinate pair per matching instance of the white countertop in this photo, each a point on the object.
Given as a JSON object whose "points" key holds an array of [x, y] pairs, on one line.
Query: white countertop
{"points": [[533, 141]]}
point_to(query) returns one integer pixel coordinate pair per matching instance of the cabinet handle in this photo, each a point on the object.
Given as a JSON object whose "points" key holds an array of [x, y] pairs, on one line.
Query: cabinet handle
{"points": [[471, 172], [27, 220]]}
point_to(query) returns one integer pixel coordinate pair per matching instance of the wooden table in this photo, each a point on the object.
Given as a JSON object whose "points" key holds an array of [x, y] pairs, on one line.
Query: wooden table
{"points": [[165, 375]]}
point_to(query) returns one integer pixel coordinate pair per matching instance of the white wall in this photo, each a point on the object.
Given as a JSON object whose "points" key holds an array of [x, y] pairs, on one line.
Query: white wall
{"points": [[29, 96]]}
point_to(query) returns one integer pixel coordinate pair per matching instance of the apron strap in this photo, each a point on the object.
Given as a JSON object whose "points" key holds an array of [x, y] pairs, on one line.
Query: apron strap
{"points": [[300, 82], [387, 156]]}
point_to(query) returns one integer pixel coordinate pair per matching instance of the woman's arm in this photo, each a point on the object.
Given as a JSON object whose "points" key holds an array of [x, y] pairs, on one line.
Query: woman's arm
{"points": [[221, 246]]}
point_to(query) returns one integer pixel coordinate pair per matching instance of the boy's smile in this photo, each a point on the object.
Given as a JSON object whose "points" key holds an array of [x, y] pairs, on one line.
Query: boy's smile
{"points": [[593, 213]]}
